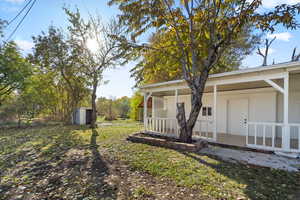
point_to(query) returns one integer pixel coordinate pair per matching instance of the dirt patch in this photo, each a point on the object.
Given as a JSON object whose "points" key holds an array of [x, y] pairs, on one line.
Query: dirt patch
{"points": [[68, 177], [84, 173], [140, 185]]}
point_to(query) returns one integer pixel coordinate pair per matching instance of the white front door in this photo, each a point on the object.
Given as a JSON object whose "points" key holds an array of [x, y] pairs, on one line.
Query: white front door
{"points": [[237, 116]]}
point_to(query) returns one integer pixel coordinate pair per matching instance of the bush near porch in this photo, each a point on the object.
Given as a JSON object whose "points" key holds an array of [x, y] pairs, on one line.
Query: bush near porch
{"points": [[29, 156]]}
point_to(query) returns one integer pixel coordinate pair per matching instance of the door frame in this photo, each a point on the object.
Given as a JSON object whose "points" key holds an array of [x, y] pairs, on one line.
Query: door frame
{"points": [[88, 116], [227, 110]]}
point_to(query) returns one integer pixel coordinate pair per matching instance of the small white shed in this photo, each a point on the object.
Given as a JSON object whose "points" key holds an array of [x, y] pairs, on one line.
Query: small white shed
{"points": [[82, 116]]}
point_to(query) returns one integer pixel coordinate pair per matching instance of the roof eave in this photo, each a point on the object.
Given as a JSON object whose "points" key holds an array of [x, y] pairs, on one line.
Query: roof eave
{"points": [[232, 73]]}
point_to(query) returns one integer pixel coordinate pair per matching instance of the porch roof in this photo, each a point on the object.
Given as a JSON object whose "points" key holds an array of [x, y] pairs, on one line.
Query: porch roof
{"points": [[240, 79]]}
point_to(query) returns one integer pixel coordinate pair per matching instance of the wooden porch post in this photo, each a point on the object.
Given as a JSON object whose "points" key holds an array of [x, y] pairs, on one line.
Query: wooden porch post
{"points": [[153, 107], [285, 91], [176, 101], [145, 111], [286, 129], [215, 113], [146, 97]]}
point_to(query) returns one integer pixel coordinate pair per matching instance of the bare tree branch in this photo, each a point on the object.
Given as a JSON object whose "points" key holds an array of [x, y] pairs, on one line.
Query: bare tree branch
{"points": [[265, 54], [294, 56]]}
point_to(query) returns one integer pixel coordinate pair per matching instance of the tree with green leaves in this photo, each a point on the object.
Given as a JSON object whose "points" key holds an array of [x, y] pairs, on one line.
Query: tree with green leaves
{"points": [[104, 51], [14, 69], [123, 106], [41, 93], [156, 66], [26, 102], [135, 102], [56, 56], [204, 30], [106, 108], [112, 108]]}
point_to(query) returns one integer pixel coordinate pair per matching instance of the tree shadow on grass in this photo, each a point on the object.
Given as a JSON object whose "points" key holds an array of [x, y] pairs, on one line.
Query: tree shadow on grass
{"points": [[254, 182], [54, 160], [98, 165], [100, 170], [261, 183]]}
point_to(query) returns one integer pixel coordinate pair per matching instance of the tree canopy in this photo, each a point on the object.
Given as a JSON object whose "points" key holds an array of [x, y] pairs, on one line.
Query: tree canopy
{"points": [[113, 108], [156, 66], [56, 56], [14, 69], [135, 102]]}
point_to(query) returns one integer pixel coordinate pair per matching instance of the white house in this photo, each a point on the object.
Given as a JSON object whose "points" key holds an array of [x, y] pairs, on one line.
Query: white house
{"points": [[256, 107]]}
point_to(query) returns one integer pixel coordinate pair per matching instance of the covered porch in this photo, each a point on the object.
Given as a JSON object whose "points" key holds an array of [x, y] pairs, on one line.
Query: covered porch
{"points": [[247, 108]]}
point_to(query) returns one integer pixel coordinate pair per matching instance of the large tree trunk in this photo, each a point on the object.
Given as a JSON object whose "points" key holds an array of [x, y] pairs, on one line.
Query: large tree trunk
{"points": [[69, 108], [183, 132], [186, 127], [19, 121], [94, 109]]}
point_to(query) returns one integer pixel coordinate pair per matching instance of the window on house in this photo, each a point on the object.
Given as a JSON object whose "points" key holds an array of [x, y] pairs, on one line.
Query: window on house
{"points": [[209, 111], [206, 111]]}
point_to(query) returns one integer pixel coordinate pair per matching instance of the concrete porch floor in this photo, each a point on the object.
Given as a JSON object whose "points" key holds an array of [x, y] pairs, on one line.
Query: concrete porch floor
{"points": [[236, 140], [253, 158], [225, 138], [239, 140]]}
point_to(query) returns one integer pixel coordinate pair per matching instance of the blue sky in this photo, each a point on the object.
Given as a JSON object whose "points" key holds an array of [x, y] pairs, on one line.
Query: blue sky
{"points": [[49, 12]]}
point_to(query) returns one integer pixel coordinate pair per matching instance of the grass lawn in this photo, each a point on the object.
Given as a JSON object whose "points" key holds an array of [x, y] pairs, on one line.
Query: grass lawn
{"points": [[69, 162]]}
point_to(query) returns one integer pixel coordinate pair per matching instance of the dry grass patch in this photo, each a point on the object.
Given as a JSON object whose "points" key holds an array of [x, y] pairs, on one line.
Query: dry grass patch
{"points": [[75, 163]]}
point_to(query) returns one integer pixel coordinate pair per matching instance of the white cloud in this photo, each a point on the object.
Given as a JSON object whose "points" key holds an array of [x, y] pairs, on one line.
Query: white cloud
{"points": [[24, 45], [273, 3], [285, 36]]}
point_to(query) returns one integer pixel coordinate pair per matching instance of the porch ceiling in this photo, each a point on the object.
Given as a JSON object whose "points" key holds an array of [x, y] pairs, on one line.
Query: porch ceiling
{"points": [[221, 88]]}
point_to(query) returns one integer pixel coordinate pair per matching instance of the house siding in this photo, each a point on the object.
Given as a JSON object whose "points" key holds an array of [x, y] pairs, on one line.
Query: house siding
{"points": [[294, 100], [264, 105]]}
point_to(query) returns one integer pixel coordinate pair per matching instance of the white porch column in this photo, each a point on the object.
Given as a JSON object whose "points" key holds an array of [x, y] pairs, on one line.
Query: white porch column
{"points": [[145, 111], [146, 97], [286, 130], [153, 107], [285, 91], [176, 101], [215, 113]]}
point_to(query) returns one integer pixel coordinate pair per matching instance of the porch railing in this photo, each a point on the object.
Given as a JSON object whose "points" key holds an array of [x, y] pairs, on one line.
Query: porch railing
{"points": [[273, 136], [203, 129], [169, 127], [164, 126]]}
